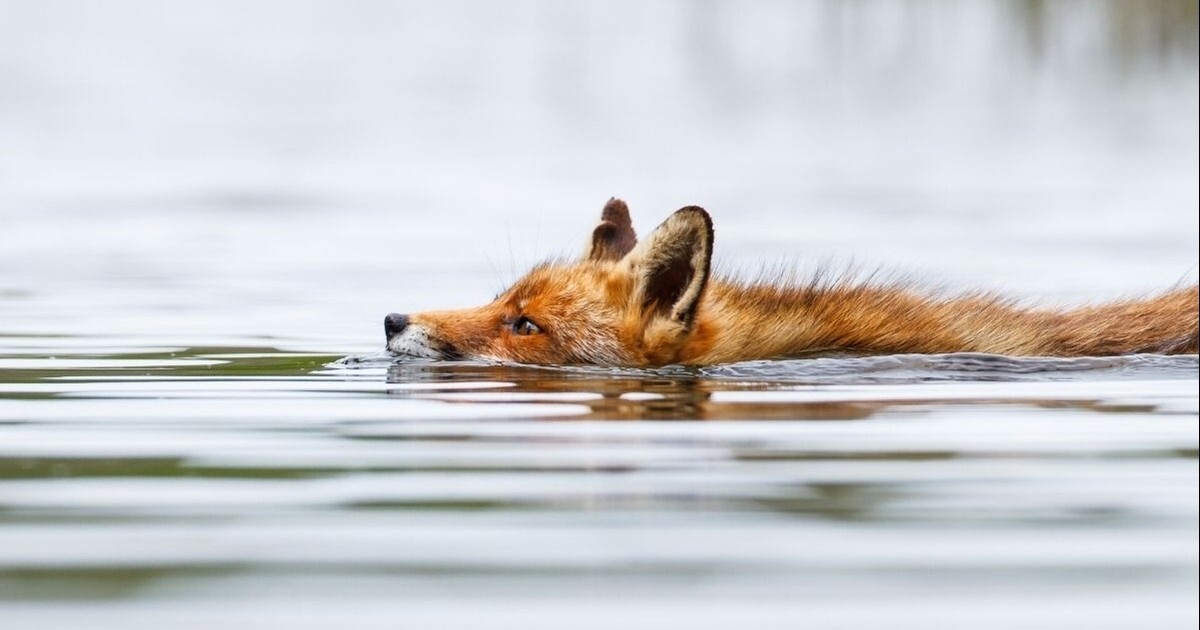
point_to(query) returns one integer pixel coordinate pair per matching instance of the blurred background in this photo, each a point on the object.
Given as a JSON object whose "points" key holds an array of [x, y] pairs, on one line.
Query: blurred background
{"points": [[204, 205], [296, 169]]}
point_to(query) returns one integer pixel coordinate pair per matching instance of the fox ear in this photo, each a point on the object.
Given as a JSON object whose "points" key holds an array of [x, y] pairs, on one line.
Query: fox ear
{"points": [[672, 265], [614, 237]]}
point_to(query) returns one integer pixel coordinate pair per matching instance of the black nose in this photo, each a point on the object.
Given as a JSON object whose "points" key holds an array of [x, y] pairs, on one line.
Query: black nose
{"points": [[394, 324]]}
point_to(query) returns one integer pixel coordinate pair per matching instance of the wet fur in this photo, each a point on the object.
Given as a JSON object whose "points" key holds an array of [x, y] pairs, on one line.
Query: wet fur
{"points": [[893, 318], [654, 302]]}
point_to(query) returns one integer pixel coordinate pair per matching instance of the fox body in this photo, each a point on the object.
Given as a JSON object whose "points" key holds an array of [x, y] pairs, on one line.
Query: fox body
{"points": [[652, 302]]}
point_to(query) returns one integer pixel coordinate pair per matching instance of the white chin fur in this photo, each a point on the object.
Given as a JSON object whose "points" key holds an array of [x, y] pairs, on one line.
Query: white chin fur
{"points": [[413, 342]]}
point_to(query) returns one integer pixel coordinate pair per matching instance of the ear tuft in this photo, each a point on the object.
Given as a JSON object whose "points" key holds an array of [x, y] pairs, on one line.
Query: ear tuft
{"points": [[617, 213], [674, 263], [614, 237]]}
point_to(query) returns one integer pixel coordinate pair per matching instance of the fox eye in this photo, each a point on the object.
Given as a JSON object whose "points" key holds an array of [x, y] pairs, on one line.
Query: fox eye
{"points": [[525, 326]]}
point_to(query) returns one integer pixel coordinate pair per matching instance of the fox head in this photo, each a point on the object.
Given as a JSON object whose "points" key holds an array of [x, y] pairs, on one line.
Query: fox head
{"points": [[623, 303]]}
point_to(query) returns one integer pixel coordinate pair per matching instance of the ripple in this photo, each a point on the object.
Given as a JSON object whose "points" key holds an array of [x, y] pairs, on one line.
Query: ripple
{"points": [[901, 368], [963, 367]]}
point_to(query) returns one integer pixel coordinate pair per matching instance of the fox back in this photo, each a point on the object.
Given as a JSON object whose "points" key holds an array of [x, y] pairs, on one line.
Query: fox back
{"points": [[652, 302]]}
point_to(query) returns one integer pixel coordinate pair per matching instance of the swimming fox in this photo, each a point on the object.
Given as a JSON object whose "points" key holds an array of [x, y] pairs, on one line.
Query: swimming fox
{"points": [[653, 302]]}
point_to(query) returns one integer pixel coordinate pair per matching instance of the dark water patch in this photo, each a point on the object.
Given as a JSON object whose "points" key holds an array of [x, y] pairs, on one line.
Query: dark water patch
{"points": [[81, 582], [212, 362], [63, 468], [448, 505]]}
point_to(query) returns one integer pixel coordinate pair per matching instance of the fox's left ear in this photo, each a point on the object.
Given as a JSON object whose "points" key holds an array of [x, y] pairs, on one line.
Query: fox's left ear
{"points": [[614, 237], [672, 265]]}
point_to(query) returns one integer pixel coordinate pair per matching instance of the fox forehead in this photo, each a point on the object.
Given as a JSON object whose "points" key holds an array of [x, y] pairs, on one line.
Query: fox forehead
{"points": [[566, 289]]}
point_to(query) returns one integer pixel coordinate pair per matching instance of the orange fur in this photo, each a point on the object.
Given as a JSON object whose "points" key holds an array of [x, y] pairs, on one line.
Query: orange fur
{"points": [[652, 303]]}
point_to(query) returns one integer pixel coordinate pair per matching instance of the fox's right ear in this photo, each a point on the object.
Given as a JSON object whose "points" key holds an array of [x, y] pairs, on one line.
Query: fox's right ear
{"points": [[614, 237], [672, 266]]}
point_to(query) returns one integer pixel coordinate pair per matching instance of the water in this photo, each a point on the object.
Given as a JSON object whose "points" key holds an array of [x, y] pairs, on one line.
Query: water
{"points": [[205, 213], [175, 488]]}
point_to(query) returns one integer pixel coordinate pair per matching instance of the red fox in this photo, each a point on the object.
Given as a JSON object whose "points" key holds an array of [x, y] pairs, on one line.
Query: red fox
{"points": [[653, 303]]}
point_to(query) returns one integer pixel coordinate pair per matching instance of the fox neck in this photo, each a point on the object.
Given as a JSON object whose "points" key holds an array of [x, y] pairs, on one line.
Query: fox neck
{"points": [[764, 322]]}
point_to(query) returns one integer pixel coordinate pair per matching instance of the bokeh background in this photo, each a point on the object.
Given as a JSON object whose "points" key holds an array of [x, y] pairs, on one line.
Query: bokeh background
{"points": [[204, 206], [296, 169]]}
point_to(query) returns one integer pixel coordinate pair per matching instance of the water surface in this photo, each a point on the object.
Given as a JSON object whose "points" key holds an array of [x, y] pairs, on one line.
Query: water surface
{"points": [[173, 486]]}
